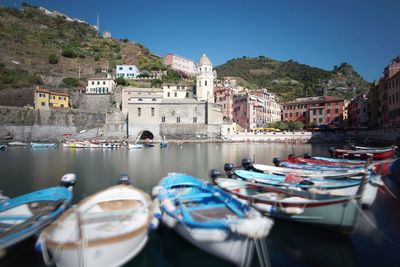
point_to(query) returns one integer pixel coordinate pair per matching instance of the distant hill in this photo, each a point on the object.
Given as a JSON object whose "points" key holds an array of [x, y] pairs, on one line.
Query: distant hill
{"points": [[42, 49], [291, 79]]}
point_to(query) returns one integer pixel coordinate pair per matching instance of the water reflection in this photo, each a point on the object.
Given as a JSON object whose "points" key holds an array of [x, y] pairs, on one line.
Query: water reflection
{"points": [[25, 170]]}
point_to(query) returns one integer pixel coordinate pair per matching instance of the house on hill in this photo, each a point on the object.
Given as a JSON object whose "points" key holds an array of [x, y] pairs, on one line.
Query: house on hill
{"points": [[46, 99]]}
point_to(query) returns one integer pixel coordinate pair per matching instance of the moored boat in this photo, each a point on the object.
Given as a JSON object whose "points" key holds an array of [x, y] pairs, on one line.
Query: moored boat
{"points": [[210, 218], [43, 145], [135, 146], [376, 154], [335, 212], [3, 147], [16, 143], [342, 187], [105, 229], [26, 215]]}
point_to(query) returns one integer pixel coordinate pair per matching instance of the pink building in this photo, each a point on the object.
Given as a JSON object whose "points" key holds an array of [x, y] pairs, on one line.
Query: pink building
{"points": [[255, 109], [357, 111], [180, 64], [389, 104], [224, 97]]}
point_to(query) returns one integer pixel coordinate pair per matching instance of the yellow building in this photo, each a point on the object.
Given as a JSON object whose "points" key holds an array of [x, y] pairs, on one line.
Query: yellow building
{"points": [[45, 99]]}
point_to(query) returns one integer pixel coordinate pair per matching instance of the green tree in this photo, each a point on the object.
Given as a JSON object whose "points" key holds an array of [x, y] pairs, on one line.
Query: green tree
{"points": [[296, 125], [71, 82], [156, 83], [121, 81], [69, 52]]}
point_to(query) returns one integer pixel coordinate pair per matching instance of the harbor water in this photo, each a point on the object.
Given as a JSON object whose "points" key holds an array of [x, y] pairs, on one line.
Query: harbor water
{"points": [[376, 241]]}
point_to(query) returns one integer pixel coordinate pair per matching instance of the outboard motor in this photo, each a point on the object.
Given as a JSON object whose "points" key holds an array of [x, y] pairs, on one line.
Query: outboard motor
{"points": [[228, 168], [276, 161], [124, 179], [247, 164], [68, 180], [332, 151], [214, 174], [307, 155]]}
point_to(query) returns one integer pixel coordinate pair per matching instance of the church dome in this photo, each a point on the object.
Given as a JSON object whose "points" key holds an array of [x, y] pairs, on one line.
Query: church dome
{"points": [[204, 60]]}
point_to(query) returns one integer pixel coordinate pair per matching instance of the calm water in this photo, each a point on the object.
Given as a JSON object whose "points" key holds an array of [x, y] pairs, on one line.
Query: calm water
{"points": [[290, 244]]}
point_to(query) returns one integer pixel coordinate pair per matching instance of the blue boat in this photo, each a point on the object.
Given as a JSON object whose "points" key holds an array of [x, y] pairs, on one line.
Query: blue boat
{"points": [[43, 145], [319, 167], [210, 218], [26, 215]]}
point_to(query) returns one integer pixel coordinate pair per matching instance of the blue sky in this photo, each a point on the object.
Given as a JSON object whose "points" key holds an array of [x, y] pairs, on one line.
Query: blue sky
{"points": [[321, 33]]}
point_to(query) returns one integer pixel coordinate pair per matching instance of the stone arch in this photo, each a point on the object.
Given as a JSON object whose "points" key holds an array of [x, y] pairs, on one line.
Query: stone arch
{"points": [[146, 135]]}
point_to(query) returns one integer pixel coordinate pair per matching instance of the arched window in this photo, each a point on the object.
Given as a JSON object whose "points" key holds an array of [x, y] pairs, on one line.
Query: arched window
{"points": [[178, 119], [140, 99], [163, 118], [154, 99], [199, 83], [205, 83]]}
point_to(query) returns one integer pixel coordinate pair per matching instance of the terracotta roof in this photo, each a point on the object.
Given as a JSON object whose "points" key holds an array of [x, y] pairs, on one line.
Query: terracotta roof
{"points": [[59, 93], [42, 90]]}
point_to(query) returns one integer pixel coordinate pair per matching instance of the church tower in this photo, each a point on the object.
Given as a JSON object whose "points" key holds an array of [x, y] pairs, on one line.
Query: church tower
{"points": [[205, 80]]}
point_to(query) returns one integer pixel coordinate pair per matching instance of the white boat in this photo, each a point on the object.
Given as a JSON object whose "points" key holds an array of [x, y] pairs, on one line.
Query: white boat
{"points": [[307, 173], [16, 143], [135, 146], [105, 229]]}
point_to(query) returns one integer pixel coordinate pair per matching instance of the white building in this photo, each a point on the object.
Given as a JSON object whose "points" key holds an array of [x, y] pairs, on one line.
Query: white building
{"points": [[205, 80], [178, 91], [180, 64], [127, 71], [100, 86]]}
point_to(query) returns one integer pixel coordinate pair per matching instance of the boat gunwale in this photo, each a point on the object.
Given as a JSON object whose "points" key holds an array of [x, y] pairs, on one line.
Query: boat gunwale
{"points": [[102, 241]]}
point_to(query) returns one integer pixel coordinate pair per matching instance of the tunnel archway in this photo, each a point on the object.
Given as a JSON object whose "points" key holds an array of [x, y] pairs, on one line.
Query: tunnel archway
{"points": [[146, 135]]}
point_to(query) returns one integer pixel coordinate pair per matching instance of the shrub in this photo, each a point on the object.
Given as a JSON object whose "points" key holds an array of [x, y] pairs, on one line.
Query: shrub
{"points": [[53, 59], [156, 83], [71, 82], [121, 81], [69, 52]]}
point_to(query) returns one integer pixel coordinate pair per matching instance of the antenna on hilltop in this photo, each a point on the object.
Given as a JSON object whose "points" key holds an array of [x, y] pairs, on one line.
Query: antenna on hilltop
{"points": [[98, 23]]}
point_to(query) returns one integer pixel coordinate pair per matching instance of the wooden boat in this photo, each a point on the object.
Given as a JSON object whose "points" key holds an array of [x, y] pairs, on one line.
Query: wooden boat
{"points": [[105, 229], [43, 145], [16, 143], [381, 167], [26, 215], [377, 154], [371, 148], [323, 174], [335, 212], [210, 218], [135, 146], [348, 187]]}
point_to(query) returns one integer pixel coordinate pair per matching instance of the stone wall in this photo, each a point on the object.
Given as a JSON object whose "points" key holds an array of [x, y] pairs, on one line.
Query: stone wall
{"points": [[189, 131], [44, 125]]}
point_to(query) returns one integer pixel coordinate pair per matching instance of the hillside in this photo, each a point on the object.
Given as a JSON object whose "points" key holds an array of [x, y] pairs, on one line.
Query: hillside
{"points": [[37, 49], [290, 79]]}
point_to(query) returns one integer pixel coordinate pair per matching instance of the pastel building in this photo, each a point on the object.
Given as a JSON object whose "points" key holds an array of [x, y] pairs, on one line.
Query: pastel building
{"points": [[223, 96], [126, 71], [314, 111], [255, 109], [97, 86], [46, 99], [180, 64], [178, 91], [358, 112]]}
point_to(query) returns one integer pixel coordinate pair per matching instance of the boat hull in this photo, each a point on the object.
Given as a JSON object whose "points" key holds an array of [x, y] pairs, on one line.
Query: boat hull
{"points": [[235, 248], [111, 254]]}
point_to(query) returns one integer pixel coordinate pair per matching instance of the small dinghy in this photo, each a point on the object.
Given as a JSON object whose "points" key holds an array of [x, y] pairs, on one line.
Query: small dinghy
{"points": [[335, 212], [26, 215], [342, 187], [105, 229], [135, 146], [43, 145], [16, 143], [210, 219]]}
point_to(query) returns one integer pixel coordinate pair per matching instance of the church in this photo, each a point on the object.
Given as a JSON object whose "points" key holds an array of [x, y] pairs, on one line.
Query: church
{"points": [[176, 111]]}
